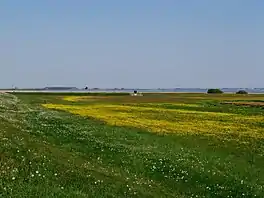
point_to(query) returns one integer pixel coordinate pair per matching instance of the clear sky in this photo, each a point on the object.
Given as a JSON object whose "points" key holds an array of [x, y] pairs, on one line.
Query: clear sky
{"points": [[136, 43]]}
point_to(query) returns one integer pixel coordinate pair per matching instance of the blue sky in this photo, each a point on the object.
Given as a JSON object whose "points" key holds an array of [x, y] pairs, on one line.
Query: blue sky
{"points": [[139, 43]]}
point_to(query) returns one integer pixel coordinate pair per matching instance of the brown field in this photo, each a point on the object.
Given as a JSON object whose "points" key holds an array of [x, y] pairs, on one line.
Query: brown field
{"points": [[249, 104]]}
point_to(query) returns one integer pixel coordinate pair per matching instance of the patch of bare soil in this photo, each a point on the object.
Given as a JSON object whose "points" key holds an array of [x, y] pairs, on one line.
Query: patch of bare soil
{"points": [[249, 104]]}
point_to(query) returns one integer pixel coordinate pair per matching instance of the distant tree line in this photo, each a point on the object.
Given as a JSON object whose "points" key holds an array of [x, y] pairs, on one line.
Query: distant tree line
{"points": [[219, 91]]}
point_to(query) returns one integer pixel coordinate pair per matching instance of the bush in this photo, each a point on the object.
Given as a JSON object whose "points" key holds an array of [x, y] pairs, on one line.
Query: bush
{"points": [[241, 92], [215, 91]]}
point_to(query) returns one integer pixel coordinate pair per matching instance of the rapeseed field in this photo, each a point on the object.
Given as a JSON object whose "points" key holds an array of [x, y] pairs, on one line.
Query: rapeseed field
{"points": [[158, 119]]}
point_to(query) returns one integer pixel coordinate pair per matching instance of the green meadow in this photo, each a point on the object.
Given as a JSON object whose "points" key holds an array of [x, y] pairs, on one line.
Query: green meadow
{"points": [[117, 145]]}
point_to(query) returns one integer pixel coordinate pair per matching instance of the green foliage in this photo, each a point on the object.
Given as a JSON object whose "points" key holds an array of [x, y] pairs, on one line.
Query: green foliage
{"points": [[215, 91], [242, 92], [45, 153]]}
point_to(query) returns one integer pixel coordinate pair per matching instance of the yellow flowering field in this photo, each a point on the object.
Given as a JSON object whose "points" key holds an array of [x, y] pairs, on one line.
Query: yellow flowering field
{"points": [[160, 120], [82, 98]]}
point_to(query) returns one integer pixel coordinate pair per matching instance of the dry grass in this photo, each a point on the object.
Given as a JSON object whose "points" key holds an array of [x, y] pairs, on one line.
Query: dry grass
{"points": [[249, 104]]}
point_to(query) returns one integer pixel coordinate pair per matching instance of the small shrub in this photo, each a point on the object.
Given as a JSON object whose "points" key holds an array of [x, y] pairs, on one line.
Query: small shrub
{"points": [[215, 91], [241, 92]]}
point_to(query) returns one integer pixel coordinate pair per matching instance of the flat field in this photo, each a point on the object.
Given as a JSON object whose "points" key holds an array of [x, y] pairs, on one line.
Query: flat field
{"points": [[156, 145]]}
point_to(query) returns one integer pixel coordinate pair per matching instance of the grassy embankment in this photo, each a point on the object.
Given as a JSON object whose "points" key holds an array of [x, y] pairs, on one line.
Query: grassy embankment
{"points": [[159, 145]]}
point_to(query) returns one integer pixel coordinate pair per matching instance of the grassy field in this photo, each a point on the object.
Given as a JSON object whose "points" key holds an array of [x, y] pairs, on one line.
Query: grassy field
{"points": [[158, 145]]}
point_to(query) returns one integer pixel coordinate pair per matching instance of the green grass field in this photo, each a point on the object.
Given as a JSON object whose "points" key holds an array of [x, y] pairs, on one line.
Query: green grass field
{"points": [[158, 145]]}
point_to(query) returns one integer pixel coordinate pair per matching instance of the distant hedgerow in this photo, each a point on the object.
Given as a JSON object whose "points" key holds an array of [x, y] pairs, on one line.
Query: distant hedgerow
{"points": [[241, 92], [216, 91]]}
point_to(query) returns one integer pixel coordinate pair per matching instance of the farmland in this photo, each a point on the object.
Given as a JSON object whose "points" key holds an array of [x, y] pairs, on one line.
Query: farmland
{"points": [[158, 145]]}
